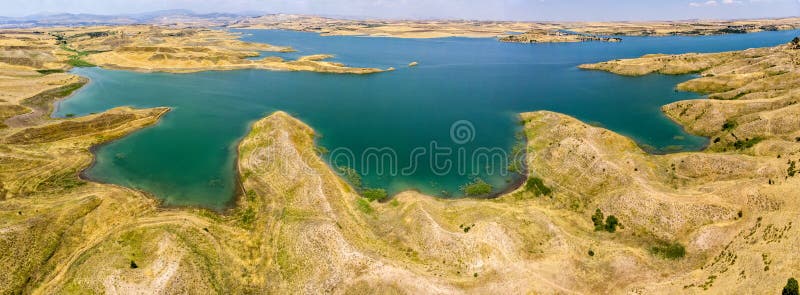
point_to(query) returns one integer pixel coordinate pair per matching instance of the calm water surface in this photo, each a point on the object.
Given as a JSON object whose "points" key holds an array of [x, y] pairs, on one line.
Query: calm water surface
{"points": [[188, 158]]}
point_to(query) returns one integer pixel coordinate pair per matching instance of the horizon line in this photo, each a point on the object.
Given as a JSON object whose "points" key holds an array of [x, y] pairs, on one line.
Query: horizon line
{"points": [[365, 17]]}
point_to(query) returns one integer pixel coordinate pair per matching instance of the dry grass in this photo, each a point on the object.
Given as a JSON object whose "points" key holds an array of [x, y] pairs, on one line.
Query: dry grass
{"points": [[300, 228]]}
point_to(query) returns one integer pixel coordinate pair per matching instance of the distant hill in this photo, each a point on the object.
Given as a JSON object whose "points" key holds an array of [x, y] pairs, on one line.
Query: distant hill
{"points": [[164, 17]]}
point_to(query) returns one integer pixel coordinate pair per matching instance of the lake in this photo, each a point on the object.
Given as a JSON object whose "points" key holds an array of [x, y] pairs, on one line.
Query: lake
{"points": [[433, 127]]}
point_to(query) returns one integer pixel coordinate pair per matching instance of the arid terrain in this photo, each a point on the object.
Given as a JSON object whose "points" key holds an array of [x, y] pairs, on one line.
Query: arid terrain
{"points": [[544, 36], [718, 221], [533, 31], [152, 49]]}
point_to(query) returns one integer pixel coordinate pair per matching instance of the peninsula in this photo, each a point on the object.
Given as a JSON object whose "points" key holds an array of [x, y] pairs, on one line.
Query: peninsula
{"points": [[152, 49]]}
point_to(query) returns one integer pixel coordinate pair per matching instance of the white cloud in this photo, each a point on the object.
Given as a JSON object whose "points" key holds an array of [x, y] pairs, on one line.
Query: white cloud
{"points": [[701, 4], [711, 3]]}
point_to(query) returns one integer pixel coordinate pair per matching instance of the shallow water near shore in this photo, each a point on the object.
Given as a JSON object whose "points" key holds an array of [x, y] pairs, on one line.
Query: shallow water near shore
{"points": [[478, 84]]}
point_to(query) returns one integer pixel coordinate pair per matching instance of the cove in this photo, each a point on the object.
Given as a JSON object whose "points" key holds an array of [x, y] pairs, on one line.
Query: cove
{"points": [[188, 158]]}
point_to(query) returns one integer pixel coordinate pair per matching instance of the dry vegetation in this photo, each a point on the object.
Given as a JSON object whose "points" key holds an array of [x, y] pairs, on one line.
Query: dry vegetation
{"points": [[149, 49], [720, 220], [533, 32]]}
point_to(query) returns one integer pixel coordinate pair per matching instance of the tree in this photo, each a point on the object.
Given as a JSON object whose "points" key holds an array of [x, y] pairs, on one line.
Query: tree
{"points": [[791, 287], [597, 219], [611, 223]]}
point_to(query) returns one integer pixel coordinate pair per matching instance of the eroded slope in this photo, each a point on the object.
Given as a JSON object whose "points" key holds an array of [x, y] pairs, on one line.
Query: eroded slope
{"points": [[724, 222]]}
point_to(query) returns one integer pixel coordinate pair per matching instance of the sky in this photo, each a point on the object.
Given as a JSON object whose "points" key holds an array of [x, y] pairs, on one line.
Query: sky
{"points": [[532, 10]]}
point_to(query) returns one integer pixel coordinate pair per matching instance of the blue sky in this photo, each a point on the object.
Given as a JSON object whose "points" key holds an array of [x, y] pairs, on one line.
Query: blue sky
{"points": [[415, 9]]}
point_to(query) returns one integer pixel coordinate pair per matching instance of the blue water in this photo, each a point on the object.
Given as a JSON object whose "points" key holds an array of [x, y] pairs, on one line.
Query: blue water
{"points": [[188, 158]]}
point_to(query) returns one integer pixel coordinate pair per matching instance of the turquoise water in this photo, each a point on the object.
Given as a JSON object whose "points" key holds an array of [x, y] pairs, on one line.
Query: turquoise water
{"points": [[188, 158]]}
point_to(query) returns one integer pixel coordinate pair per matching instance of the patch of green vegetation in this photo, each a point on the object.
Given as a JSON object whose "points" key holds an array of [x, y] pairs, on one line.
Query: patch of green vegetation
{"points": [[536, 186], [610, 225], [729, 125], [351, 175], [76, 60], [42, 100], [791, 287], [591, 252], [133, 241], [364, 206], [477, 188], [247, 216], [50, 71], [670, 251], [747, 143], [65, 181], [597, 220], [395, 203], [79, 63], [374, 194], [792, 170], [516, 159]]}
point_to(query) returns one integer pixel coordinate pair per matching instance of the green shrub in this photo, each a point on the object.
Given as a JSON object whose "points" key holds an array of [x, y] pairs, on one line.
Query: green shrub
{"points": [[477, 188], [791, 287], [611, 223], [597, 219], [364, 206], [536, 185], [747, 143], [248, 216], [729, 125], [670, 251], [374, 194]]}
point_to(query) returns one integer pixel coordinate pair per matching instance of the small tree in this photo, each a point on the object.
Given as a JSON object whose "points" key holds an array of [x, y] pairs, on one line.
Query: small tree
{"points": [[611, 223], [791, 287], [597, 219]]}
